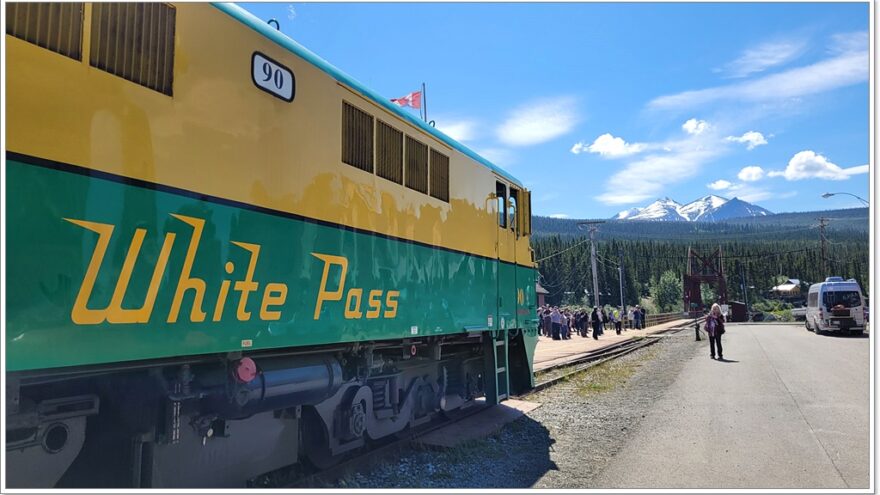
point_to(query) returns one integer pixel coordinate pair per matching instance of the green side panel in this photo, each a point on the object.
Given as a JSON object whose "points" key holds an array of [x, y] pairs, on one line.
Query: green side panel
{"points": [[440, 291], [507, 293], [527, 313]]}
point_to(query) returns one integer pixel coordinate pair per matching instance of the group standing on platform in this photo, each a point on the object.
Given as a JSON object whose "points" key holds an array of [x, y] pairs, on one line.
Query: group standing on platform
{"points": [[560, 323]]}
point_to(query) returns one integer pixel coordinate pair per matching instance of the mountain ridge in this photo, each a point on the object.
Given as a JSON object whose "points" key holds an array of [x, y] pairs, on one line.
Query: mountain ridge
{"points": [[710, 208]]}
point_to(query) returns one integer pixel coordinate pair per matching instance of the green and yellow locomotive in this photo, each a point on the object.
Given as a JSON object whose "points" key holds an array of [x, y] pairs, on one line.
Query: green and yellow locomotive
{"points": [[225, 256]]}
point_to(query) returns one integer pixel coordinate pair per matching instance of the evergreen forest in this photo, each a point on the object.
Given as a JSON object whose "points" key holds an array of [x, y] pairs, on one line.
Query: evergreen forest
{"points": [[757, 255]]}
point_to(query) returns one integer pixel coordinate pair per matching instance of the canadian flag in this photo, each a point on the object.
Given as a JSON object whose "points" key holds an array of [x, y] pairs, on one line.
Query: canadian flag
{"points": [[413, 99]]}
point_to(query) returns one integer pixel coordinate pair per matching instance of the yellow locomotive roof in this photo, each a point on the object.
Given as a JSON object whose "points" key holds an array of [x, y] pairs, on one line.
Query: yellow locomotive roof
{"points": [[285, 41]]}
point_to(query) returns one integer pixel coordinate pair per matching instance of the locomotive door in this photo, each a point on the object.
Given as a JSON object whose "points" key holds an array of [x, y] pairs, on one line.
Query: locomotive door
{"points": [[505, 252]]}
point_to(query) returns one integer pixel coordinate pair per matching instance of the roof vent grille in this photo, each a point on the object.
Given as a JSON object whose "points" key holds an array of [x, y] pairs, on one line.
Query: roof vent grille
{"points": [[135, 41], [53, 26]]}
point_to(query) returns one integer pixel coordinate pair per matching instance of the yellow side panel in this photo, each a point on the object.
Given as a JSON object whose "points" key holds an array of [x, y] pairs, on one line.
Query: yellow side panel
{"points": [[222, 136]]}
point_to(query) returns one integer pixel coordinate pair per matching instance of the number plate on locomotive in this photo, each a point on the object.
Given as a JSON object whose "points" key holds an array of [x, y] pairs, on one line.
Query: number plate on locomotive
{"points": [[272, 77]]}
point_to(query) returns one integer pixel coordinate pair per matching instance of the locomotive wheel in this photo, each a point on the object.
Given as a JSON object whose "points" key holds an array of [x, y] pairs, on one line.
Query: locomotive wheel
{"points": [[315, 443]]}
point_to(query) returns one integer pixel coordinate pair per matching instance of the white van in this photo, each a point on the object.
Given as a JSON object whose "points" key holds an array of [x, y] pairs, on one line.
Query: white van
{"points": [[836, 305]]}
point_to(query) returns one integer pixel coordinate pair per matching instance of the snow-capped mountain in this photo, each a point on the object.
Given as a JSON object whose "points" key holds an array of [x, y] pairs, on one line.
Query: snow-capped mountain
{"points": [[706, 209], [695, 210], [627, 213], [662, 210], [735, 208]]}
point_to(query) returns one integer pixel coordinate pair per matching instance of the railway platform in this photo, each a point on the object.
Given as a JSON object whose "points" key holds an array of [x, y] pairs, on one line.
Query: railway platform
{"points": [[550, 353]]}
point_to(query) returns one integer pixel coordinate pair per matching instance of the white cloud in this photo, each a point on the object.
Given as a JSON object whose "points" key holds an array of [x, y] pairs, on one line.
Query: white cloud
{"points": [[751, 174], [719, 185], [291, 12], [609, 147], [846, 69], [694, 126], [649, 177], [849, 42], [811, 165], [462, 130], [762, 57], [752, 195], [861, 169], [559, 215], [578, 147], [538, 122], [752, 138]]}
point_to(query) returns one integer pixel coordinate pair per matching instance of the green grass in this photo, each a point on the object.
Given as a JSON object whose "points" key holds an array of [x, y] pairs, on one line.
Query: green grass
{"points": [[607, 376]]}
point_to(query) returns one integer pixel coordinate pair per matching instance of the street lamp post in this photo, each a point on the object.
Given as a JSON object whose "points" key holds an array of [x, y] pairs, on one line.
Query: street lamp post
{"points": [[829, 194]]}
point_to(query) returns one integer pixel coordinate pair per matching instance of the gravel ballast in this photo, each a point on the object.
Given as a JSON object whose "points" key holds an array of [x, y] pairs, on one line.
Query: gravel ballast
{"points": [[565, 443]]}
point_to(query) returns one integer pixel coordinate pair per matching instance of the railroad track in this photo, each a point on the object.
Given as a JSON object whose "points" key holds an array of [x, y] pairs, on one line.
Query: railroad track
{"points": [[598, 357]]}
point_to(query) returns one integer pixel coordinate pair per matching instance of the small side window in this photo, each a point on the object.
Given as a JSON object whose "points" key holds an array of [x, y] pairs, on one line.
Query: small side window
{"points": [[511, 209], [501, 201]]}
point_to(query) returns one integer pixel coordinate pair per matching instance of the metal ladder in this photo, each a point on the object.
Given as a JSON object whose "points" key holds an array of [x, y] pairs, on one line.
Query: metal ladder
{"points": [[499, 388]]}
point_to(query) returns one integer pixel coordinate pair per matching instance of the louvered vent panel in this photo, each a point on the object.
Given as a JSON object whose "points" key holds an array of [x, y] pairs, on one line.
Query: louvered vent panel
{"points": [[389, 152], [416, 165], [135, 41], [54, 26], [439, 175], [357, 137]]}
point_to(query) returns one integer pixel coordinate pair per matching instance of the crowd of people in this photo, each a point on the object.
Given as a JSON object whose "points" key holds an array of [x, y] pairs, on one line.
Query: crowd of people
{"points": [[560, 323]]}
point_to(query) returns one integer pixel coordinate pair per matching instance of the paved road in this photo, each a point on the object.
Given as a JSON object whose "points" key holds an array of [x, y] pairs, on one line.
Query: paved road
{"points": [[789, 409]]}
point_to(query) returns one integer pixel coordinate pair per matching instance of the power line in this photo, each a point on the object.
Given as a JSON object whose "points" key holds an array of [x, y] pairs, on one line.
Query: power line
{"points": [[564, 250]]}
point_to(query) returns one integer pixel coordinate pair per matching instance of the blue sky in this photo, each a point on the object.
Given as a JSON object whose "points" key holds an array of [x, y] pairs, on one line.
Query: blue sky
{"points": [[599, 107]]}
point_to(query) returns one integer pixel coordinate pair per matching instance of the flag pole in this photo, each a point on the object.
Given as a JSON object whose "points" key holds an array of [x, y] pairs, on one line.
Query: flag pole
{"points": [[424, 103]]}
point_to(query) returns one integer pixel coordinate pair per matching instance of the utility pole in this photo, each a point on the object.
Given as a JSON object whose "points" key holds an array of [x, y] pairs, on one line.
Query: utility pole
{"points": [[620, 275], [593, 229], [745, 287], [823, 222]]}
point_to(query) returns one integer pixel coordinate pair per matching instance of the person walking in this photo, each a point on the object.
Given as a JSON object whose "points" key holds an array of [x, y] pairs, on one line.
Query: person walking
{"points": [[604, 315], [556, 323], [548, 325], [643, 317], [581, 319], [615, 317], [566, 326], [715, 328], [596, 320], [638, 316]]}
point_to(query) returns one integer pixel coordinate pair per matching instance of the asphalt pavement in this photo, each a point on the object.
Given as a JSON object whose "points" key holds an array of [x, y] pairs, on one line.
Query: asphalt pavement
{"points": [[786, 409]]}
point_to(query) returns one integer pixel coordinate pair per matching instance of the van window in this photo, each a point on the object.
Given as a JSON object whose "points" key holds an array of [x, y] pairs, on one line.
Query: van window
{"points": [[846, 298], [813, 300]]}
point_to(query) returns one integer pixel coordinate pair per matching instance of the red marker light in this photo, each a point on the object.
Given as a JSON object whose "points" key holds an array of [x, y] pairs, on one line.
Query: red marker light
{"points": [[412, 350], [245, 370]]}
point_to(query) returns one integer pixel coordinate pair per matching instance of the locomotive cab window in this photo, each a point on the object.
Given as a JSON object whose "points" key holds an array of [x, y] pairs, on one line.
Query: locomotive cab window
{"points": [[512, 219], [525, 213], [501, 202]]}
